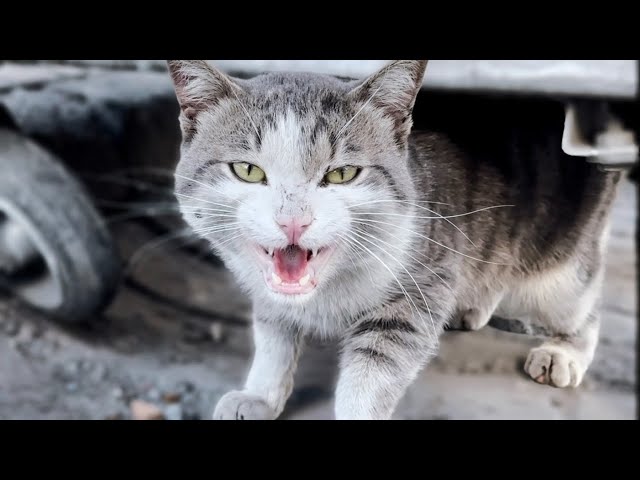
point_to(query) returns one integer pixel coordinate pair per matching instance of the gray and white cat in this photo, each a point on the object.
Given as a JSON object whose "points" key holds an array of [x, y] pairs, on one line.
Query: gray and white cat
{"points": [[337, 220]]}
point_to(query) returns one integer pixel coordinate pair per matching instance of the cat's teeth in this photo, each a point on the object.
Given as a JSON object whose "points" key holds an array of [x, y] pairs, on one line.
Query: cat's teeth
{"points": [[314, 252], [304, 280], [275, 279], [271, 251]]}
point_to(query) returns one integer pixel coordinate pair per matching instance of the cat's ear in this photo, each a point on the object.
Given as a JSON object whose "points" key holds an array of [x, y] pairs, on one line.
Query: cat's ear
{"points": [[394, 90], [198, 86]]}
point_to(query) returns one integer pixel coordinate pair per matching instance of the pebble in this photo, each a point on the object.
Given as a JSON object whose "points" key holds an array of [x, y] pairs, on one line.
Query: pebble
{"points": [[502, 365], [141, 410], [216, 330], [171, 397], [118, 393], [178, 358], [190, 410], [72, 368], [173, 412], [71, 387], [191, 414], [17, 345], [588, 384], [153, 394], [11, 327], [114, 416], [98, 374], [441, 417], [556, 402], [186, 387], [472, 366], [85, 365]]}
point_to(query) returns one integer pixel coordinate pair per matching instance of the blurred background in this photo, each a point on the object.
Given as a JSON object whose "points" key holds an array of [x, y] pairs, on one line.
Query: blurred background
{"points": [[111, 309]]}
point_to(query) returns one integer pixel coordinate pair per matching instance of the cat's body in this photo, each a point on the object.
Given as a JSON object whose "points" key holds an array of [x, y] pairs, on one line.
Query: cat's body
{"points": [[433, 228]]}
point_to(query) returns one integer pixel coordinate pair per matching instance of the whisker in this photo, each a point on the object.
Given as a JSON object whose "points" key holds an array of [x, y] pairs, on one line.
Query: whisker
{"points": [[164, 173], [201, 200], [122, 217], [217, 215], [341, 131], [448, 221], [206, 209], [356, 246], [356, 251], [159, 207], [219, 244], [160, 172], [247, 114], [434, 217], [155, 212], [406, 294], [478, 210], [122, 205], [351, 248], [135, 258], [210, 187], [215, 229], [434, 241], [414, 258], [438, 216], [408, 273], [127, 182], [397, 201]]}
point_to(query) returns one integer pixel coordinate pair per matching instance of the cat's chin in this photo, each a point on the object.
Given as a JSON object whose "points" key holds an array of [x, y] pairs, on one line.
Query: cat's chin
{"points": [[300, 285]]}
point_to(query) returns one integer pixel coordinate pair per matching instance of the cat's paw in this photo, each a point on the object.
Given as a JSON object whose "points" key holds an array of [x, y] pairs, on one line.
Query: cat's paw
{"points": [[473, 319], [243, 406], [555, 365]]}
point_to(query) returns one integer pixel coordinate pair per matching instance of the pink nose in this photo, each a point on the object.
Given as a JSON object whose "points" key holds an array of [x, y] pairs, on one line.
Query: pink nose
{"points": [[294, 227]]}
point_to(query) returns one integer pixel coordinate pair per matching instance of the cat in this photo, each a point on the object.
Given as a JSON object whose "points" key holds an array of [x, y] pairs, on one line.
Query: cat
{"points": [[339, 221]]}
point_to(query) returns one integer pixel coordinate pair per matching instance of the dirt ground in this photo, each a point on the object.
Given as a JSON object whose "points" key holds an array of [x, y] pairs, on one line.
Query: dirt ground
{"points": [[183, 360]]}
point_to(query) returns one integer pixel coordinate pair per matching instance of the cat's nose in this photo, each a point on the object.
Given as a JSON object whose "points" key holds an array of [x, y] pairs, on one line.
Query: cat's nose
{"points": [[294, 227]]}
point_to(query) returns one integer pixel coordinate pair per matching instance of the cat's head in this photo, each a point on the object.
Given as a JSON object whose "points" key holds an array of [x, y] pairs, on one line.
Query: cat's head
{"points": [[285, 173]]}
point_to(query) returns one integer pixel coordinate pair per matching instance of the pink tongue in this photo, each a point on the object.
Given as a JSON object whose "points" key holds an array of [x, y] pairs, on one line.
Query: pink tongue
{"points": [[290, 263]]}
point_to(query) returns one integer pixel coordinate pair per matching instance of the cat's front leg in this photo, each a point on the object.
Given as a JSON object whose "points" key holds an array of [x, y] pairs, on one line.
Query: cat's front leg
{"points": [[380, 359], [270, 379]]}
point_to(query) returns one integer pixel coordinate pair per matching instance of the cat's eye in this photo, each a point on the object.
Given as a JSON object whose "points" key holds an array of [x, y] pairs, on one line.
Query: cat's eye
{"points": [[341, 175], [248, 172]]}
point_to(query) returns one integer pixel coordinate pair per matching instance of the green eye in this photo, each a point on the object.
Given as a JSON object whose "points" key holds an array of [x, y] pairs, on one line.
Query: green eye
{"points": [[341, 175], [248, 173]]}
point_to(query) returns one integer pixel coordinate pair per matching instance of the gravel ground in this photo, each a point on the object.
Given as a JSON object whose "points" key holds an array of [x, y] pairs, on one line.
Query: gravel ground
{"points": [[149, 359]]}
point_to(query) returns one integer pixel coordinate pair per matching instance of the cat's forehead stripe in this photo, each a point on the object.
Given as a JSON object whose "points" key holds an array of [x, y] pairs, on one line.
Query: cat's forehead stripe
{"points": [[282, 143], [294, 143]]}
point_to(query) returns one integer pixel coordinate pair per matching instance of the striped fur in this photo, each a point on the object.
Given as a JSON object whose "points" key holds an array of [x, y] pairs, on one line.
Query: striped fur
{"points": [[523, 233]]}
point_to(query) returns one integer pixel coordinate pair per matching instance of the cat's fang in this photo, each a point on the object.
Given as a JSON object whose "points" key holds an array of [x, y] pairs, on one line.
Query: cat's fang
{"points": [[270, 251], [314, 252], [304, 280], [276, 279]]}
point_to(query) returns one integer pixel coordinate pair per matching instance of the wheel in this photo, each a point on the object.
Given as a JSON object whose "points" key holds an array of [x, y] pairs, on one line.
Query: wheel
{"points": [[56, 252]]}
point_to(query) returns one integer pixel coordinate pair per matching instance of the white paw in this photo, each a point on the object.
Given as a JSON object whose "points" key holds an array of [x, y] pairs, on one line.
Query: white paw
{"points": [[555, 365], [243, 406], [475, 319]]}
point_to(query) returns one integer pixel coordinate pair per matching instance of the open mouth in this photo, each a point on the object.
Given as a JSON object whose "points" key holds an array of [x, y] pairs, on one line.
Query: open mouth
{"points": [[292, 270]]}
